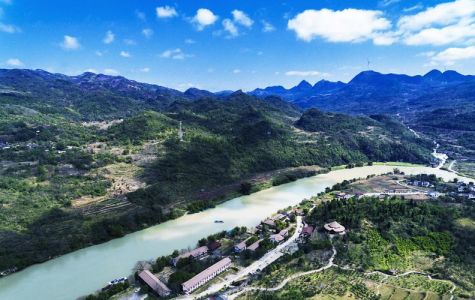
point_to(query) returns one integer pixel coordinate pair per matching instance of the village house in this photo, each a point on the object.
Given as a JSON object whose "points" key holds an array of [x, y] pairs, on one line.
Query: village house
{"points": [[334, 228], [307, 231], [154, 283], [421, 183], [279, 237], [343, 196], [240, 247], [195, 253], [4, 145], [284, 232], [206, 275], [213, 246], [269, 222], [254, 246], [433, 194], [276, 238]]}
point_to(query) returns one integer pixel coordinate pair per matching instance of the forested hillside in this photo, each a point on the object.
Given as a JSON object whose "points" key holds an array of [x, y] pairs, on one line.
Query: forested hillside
{"points": [[87, 159]]}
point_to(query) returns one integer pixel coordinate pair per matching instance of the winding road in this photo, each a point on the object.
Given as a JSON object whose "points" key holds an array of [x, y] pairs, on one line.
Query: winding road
{"points": [[286, 280]]}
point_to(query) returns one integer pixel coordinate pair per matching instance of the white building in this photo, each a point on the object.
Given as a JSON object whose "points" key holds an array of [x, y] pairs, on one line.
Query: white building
{"points": [[205, 276]]}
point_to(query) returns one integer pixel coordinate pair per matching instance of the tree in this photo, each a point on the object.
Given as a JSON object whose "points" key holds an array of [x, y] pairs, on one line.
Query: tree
{"points": [[245, 188]]}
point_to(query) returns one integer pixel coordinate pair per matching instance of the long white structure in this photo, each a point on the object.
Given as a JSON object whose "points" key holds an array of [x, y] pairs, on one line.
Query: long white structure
{"points": [[205, 276]]}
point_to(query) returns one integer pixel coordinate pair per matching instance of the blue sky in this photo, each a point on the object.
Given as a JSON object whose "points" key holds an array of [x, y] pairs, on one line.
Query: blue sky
{"points": [[225, 44]]}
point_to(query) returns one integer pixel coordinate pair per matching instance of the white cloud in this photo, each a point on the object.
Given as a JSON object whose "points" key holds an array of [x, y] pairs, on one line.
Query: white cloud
{"points": [[413, 8], [125, 54], [309, 73], [445, 23], [109, 37], [147, 32], [99, 53], [236, 71], [14, 62], [70, 43], [442, 14], [385, 38], [175, 54], [129, 42], [145, 70], [187, 85], [204, 17], [267, 27], [166, 12], [241, 18], [451, 55], [230, 28], [427, 54], [8, 28], [348, 25], [91, 70], [112, 72], [140, 15], [385, 3], [442, 36], [190, 41]]}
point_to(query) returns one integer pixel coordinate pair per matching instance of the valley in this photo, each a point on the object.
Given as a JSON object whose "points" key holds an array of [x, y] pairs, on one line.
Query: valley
{"points": [[75, 176]]}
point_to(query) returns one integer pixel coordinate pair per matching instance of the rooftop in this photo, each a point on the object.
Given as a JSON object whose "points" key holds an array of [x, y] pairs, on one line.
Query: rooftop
{"points": [[277, 237], [153, 281], [206, 273], [254, 246], [307, 230], [335, 227], [195, 252]]}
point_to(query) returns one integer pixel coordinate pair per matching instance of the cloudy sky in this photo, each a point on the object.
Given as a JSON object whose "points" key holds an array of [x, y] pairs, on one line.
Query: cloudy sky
{"points": [[242, 44]]}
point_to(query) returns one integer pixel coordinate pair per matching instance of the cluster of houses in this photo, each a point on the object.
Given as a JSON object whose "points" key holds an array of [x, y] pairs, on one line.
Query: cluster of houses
{"points": [[268, 225], [466, 190], [418, 183]]}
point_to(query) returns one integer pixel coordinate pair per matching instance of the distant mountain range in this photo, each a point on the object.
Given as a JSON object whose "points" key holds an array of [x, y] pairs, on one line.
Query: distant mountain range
{"points": [[370, 92], [115, 96]]}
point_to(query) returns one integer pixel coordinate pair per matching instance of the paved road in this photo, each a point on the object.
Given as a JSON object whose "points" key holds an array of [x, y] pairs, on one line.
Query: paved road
{"points": [[260, 264], [286, 280]]}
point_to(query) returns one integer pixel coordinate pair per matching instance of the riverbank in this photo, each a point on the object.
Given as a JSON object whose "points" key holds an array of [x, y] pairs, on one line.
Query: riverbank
{"points": [[66, 230], [116, 257]]}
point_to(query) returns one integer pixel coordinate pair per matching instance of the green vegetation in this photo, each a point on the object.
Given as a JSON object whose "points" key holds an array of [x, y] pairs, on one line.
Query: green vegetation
{"points": [[57, 193], [385, 238]]}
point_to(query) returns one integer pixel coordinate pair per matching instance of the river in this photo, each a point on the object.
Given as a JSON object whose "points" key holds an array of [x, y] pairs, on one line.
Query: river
{"points": [[84, 271]]}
